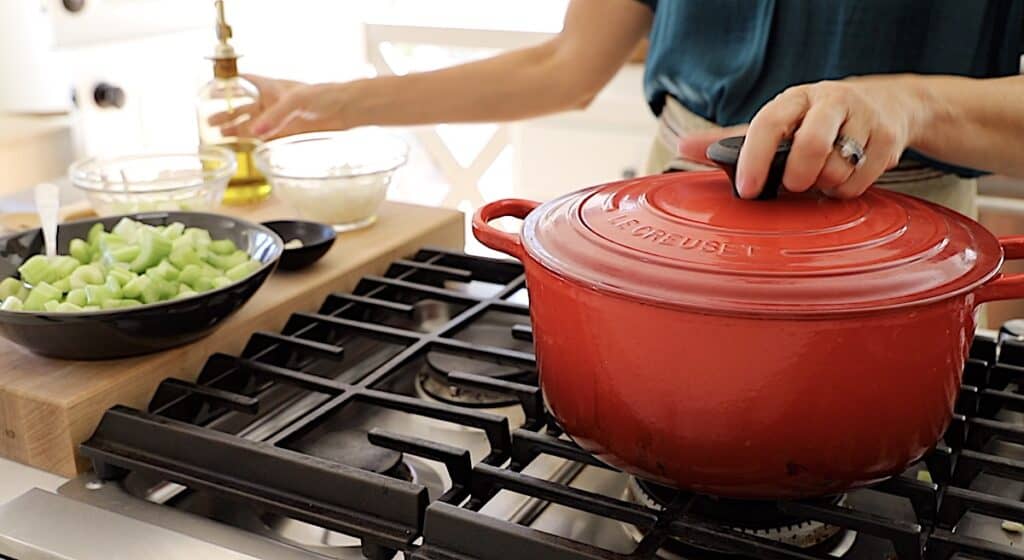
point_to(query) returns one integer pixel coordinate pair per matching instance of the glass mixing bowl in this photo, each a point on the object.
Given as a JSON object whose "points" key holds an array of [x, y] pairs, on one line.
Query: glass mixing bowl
{"points": [[336, 178], [155, 182]]}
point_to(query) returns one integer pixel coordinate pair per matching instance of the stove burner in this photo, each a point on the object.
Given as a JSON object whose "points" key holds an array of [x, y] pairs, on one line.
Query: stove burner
{"points": [[762, 519], [352, 447], [433, 380], [429, 315], [433, 386], [446, 363], [339, 545]]}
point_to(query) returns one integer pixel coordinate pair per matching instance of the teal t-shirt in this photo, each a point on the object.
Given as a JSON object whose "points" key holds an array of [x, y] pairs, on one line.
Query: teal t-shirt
{"points": [[724, 59]]}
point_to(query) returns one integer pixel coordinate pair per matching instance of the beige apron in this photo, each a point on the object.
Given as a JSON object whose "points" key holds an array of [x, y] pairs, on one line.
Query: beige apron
{"points": [[911, 178]]}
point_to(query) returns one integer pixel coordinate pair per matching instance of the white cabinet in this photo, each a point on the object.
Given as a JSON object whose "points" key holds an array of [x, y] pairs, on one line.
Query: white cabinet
{"points": [[607, 141], [549, 156], [553, 160]]}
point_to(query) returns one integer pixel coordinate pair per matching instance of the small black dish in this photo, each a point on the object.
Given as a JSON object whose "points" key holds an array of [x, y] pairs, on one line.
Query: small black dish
{"points": [[316, 240]]}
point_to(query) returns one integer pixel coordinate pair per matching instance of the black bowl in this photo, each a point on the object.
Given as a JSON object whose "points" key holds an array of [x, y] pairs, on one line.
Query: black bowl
{"points": [[316, 240], [139, 330]]}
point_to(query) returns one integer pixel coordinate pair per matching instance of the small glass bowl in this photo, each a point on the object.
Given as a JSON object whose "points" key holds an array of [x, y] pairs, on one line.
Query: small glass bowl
{"points": [[336, 178], [155, 182]]}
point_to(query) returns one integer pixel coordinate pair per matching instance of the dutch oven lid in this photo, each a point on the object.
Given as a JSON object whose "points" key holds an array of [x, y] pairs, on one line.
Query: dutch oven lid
{"points": [[685, 239]]}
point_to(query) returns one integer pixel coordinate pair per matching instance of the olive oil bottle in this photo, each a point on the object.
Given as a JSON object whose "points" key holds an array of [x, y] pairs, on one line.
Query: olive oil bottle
{"points": [[227, 94]]}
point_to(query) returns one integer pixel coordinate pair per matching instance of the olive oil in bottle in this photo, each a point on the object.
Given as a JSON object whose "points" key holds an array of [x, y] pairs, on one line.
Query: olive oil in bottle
{"points": [[227, 94]]}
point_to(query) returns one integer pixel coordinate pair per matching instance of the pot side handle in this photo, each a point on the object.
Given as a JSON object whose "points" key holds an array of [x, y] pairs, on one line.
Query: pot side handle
{"points": [[507, 243], [1005, 286]]}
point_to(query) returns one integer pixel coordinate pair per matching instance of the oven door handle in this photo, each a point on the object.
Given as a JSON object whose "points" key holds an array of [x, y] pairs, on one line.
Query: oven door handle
{"points": [[1001, 205]]}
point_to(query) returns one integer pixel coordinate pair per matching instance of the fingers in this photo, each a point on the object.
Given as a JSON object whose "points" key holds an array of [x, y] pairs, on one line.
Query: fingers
{"points": [[813, 146], [773, 123], [218, 119], [837, 169], [880, 154], [694, 147], [277, 116], [261, 82]]}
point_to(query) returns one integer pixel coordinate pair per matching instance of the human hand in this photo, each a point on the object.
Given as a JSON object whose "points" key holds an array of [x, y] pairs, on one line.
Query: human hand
{"points": [[880, 113], [303, 108], [285, 107]]}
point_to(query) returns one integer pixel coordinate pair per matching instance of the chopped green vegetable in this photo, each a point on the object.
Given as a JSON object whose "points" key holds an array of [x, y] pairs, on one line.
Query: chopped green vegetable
{"points": [[225, 262], [93, 236], [67, 307], [184, 256], [190, 274], [158, 290], [113, 286], [77, 297], [183, 242], [35, 269], [240, 271], [127, 229], [9, 287], [109, 241], [132, 264], [64, 285], [164, 271], [134, 288], [203, 284], [174, 231], [153, 249], [223, 247], [85, 275], [125, 254], [117, 303], [41, 269], [40, 294], [81, 251], [96, 295], [122, 276], [199, 237]]}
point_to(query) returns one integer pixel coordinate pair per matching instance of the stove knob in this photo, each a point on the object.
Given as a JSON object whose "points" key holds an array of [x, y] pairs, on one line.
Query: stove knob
{"points": [[108, 96], [1011, 343], [73, 6], [1012, 329]]}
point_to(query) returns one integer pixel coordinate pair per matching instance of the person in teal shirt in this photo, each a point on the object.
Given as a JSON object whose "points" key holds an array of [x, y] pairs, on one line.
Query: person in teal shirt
{"points": [[916, 95]]}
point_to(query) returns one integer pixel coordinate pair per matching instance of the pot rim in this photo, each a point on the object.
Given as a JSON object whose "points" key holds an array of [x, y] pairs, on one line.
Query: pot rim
{"points": [[789, 314], [533, 247]]}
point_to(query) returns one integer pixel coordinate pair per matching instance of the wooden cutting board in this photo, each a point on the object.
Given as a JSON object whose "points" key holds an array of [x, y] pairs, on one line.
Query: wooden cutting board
{"points": [[48, 407]]}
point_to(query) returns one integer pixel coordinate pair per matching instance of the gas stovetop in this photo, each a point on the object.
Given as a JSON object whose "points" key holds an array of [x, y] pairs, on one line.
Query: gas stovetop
{"points": [[405, 419]]}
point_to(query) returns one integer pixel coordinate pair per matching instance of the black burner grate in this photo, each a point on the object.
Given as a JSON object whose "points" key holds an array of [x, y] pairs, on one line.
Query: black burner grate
{"points": [[248, 430]]}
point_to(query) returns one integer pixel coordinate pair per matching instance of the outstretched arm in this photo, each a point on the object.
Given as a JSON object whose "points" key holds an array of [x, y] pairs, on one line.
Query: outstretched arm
{"points": [[563, 73]]}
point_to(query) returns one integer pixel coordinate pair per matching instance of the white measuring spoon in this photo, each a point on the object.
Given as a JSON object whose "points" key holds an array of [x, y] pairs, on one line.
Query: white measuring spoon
{"points": [[48, 207]]}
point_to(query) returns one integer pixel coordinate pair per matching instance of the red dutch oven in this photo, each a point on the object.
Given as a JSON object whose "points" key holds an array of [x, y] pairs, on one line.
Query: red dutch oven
{"points": [[787, 348]]}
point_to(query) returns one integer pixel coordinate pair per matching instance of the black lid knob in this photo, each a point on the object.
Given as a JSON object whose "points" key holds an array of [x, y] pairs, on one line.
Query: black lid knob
{"points": [[726, 153], [108, 96]]}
